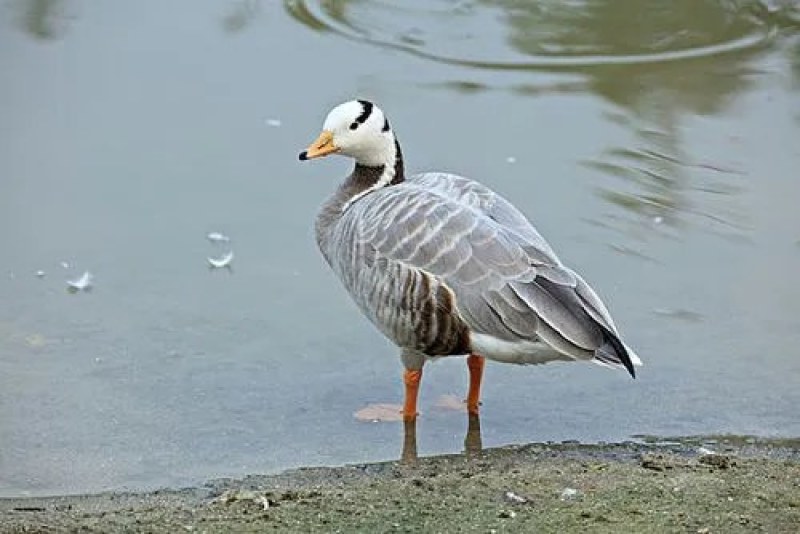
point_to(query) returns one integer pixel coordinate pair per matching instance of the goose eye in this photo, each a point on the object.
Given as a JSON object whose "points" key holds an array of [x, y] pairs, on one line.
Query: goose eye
{"points": [[353, 125]]}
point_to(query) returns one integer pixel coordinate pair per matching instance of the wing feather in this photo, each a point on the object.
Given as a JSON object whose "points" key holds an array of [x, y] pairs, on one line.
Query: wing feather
{"points": [[507, 280]]}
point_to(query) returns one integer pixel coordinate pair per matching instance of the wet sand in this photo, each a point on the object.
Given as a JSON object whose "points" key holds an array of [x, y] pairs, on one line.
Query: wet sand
{"points": [[700, 485]]}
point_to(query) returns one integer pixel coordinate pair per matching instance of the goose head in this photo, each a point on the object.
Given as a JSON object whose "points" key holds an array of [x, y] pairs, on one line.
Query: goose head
{"points": [[358, 129]]}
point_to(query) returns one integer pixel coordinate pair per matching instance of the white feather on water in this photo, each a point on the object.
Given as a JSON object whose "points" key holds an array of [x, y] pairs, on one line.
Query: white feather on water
{"points": [[223, 261], [217, 237], [82, 283]]}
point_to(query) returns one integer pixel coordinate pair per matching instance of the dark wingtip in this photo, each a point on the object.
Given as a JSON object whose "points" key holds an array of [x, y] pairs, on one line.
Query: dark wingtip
{"points": [[303, 155], [620, 349]]}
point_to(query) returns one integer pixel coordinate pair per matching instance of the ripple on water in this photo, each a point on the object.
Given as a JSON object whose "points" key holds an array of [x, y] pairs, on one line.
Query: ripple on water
{"points": [[519, 34]]}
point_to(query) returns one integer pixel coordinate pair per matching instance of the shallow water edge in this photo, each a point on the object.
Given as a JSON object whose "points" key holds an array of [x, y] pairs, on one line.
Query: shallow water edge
{"points": [[696, 484]]}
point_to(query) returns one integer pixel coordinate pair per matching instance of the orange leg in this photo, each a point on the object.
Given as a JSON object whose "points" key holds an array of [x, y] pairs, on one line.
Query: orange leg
{"points": [[411, 378], [475, 364]]}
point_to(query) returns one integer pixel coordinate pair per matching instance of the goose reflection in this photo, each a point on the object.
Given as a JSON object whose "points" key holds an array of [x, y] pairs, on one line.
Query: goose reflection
{"points": [[473, 443]]}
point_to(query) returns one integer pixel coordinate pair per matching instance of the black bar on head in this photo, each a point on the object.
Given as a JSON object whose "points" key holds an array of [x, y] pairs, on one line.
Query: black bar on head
{"points": [[365, 112]]}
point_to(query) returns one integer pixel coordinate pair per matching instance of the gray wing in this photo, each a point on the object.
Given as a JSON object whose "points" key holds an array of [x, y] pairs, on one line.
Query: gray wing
{"points": [[507, 280]]}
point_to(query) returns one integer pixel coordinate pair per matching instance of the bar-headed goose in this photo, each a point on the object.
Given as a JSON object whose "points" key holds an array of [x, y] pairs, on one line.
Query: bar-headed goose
{"points": [[443, 266]]}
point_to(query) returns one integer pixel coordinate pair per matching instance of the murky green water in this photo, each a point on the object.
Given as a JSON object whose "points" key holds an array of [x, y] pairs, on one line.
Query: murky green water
{"points": [[655, 144]]}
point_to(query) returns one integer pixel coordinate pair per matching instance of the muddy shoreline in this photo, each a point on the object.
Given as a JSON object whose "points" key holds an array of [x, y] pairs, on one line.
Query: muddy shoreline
{"points": [[704, 484]]}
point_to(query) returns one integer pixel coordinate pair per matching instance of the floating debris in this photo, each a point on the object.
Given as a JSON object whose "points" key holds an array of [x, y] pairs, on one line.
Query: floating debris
{"points": [[82, 283], [628, 251], [275, 123], [65, 265], [221, 262], [36, 341], [217, 237], [679, 313], [40, 274], [658, 219], [511, 159]]}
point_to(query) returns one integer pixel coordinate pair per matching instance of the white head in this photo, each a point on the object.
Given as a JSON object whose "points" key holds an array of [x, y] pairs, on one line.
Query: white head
{"points": [[358, 129]]}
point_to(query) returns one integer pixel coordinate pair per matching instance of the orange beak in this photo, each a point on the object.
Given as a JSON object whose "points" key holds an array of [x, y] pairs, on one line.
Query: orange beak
{"points": [[321, 147]]}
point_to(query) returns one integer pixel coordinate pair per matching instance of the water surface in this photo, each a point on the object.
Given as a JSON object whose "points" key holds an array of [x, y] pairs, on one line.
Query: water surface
{"points": [[655, 144]]}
